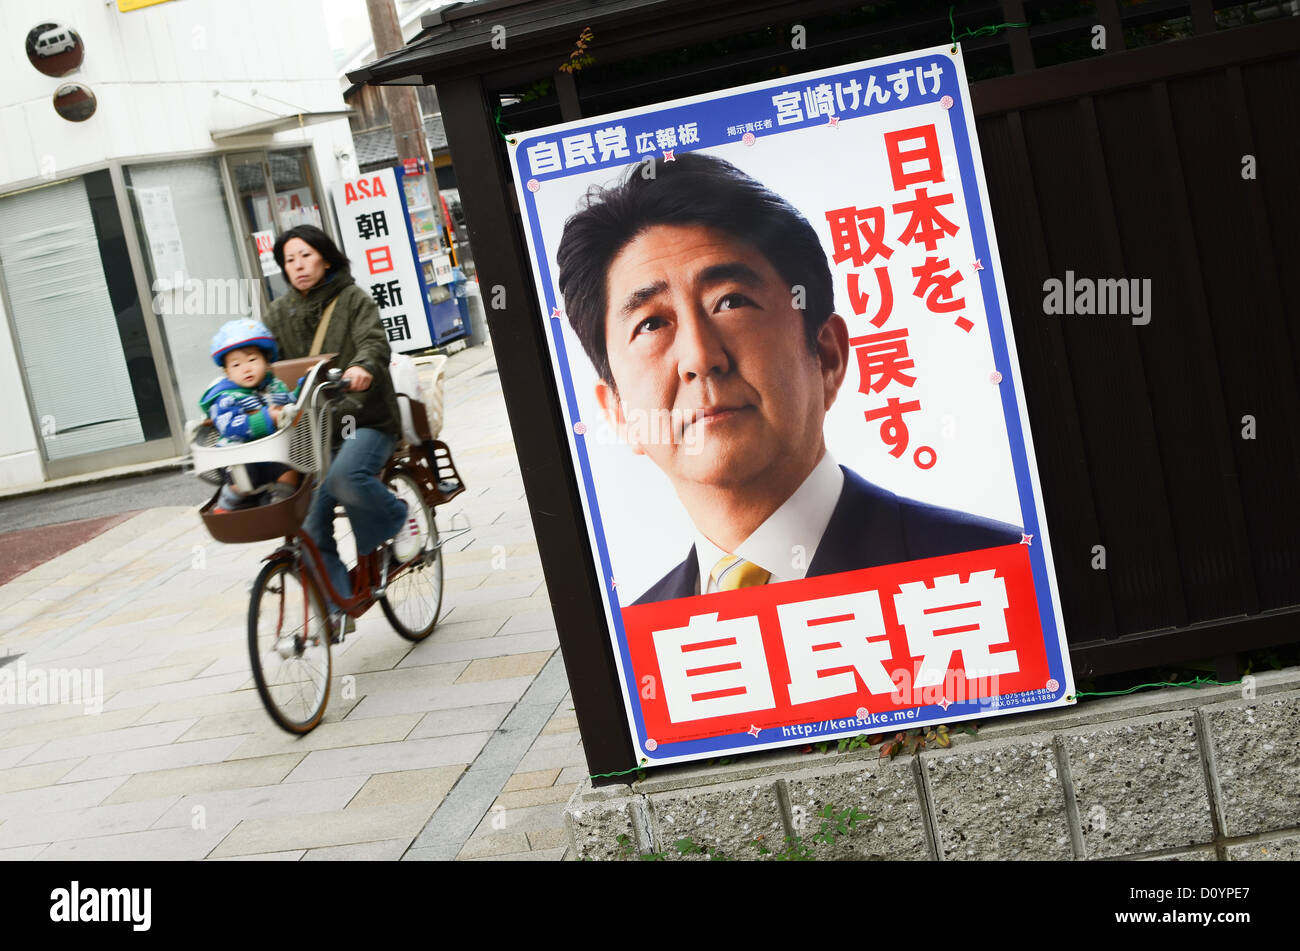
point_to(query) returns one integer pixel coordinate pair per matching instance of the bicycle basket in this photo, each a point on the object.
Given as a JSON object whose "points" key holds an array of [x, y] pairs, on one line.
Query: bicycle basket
{"points": [[298, 446], [259, 522]]}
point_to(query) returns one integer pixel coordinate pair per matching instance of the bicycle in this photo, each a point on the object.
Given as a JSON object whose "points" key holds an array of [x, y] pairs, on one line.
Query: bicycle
{"points": [[290, 626]]}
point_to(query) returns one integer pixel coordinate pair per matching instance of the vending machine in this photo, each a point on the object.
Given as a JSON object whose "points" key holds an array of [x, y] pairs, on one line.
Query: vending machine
{"points": [[433, 252]]}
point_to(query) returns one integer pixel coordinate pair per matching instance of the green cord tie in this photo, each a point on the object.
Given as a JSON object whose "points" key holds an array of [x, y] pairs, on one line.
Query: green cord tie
{"points": [[1198, 682], [980, 31], [500, 131], [624, 772]]}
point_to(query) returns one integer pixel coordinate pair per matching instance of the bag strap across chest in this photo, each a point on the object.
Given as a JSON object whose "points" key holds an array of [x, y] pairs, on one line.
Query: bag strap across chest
{"points": [[319, 339]]}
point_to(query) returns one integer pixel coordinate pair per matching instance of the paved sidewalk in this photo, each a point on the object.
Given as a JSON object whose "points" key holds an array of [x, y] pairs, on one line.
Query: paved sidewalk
{"points": [[462, 746]]}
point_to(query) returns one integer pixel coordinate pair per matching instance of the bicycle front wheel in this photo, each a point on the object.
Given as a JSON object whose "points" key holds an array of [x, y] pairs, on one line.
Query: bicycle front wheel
{"points": [[413, 600], [289, 643]]}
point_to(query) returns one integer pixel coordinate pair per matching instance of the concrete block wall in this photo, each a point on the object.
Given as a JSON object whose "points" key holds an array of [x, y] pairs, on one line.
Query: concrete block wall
{"points": [[1171, 774]]}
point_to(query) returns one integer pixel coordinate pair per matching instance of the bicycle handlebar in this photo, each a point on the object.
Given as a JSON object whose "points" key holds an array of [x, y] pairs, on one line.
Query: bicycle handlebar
{"points": [[334, 387]]}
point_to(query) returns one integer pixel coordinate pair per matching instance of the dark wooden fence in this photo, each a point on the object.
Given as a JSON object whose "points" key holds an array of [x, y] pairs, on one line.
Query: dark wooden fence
{"points": [[1175, 445]]}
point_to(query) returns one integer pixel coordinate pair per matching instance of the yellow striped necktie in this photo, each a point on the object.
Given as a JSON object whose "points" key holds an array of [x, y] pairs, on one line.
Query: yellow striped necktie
{"points": [[732, 572]]}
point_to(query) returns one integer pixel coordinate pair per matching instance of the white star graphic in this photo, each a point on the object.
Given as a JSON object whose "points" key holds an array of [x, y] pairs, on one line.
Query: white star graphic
{"points": [[555, 313], [945, 703], [1026, 539], [978, 265], [833, 121], [669, 157], [753, 731]]}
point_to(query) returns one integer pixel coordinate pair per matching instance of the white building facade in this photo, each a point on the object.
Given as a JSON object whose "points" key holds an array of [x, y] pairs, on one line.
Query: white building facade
{"points": [[129, 234]]}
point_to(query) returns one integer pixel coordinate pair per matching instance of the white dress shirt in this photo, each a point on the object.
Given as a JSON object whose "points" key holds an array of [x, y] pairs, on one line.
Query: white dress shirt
{"points": [[800, 521]]}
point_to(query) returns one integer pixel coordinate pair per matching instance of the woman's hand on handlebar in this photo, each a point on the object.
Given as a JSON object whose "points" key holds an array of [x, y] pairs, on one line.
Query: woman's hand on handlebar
{"points": [[358, 379]]}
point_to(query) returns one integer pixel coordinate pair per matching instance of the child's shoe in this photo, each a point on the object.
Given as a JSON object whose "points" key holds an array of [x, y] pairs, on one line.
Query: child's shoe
{"points": [[228, 500], [278, 493]]}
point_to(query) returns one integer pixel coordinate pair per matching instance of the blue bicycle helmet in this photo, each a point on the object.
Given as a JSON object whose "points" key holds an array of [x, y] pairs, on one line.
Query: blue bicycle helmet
{"points": [[244, 332]]}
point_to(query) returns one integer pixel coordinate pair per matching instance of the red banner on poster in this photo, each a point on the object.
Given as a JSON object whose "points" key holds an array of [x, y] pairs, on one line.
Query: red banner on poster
{"points": [[868, 645]]}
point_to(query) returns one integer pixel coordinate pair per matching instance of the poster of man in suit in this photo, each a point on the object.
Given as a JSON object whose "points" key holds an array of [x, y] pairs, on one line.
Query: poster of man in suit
{"points": [[781, 339]]}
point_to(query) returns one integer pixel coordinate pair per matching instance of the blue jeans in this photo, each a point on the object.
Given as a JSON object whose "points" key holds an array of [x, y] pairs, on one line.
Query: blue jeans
{"points": [[376, 514]]}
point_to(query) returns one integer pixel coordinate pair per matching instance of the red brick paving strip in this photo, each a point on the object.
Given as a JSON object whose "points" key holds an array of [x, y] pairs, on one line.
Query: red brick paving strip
{"points": [[22, 551]]}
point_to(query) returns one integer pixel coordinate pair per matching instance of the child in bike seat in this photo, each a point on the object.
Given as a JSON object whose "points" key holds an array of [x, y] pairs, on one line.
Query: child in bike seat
{"points": [[246, 404]]}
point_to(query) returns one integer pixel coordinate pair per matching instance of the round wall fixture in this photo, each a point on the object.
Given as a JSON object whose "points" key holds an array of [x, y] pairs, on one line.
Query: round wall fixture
{"points": [[74, 101], [55, 49]]}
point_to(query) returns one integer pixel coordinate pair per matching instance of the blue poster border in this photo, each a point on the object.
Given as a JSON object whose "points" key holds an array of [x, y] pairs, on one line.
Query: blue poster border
{"points": [[756, 101]]}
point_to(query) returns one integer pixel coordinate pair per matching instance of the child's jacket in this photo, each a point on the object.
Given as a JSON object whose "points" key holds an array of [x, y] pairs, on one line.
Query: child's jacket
{"points": [[240, 414]]}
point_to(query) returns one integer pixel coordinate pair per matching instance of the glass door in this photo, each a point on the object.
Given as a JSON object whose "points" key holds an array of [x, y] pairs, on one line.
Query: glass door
{"points": [[255, 195], [297, 201]]}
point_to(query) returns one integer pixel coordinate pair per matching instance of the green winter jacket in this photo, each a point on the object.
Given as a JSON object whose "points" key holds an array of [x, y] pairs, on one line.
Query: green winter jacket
{"points": [[354, 333]]}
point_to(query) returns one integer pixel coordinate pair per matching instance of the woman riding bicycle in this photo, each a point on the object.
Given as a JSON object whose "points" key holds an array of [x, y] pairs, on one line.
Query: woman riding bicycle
{"points": [[367, 422]]}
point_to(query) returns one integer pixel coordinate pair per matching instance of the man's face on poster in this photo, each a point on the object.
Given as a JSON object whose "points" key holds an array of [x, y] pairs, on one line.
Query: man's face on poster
{"points": [[712, 376]]}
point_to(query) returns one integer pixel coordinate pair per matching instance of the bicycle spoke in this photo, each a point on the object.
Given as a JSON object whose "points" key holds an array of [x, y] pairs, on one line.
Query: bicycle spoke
{"points": [[414, 596], [285, 618]]}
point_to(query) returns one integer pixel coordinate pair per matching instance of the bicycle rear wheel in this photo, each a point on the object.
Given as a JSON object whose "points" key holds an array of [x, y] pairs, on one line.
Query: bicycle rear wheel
{"points": [[413, 600], [289, 644]]}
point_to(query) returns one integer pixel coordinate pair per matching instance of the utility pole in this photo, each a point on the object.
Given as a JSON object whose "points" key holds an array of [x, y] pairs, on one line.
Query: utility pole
{"points": [[401, 102]]}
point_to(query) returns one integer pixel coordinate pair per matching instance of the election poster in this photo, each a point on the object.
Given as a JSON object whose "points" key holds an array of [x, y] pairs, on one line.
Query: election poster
{"points": [[780, 336], [377, 239]]}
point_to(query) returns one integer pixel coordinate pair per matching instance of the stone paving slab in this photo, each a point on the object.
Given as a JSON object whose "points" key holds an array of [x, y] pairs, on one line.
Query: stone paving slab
{"points": [[435, 651], [75, 824], [468, 630], [22, 853], [344, 733], [154, 845], [528, 621], [229, 806], [14, 755], [441, 698], [538, 796], [154, 758], [499, 668], [217, 704], [385, 850], [60, 798], [543, 855], [409, 678], [294, 855], [461, 720], [112, 741], [317, 830], [539, 779], [388, 757], [491, 846], [239, 723], [161, 693], [36, 777], [502, 610], [429, 786], [240, 774]]}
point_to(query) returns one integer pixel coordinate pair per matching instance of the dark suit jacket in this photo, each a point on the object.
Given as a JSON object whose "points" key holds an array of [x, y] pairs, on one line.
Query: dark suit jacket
{"points": [[870, 526]]}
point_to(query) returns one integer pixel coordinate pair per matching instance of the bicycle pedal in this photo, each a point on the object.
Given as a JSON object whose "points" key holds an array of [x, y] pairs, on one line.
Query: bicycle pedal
{"points": [[386, 565], [343, 626]]}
